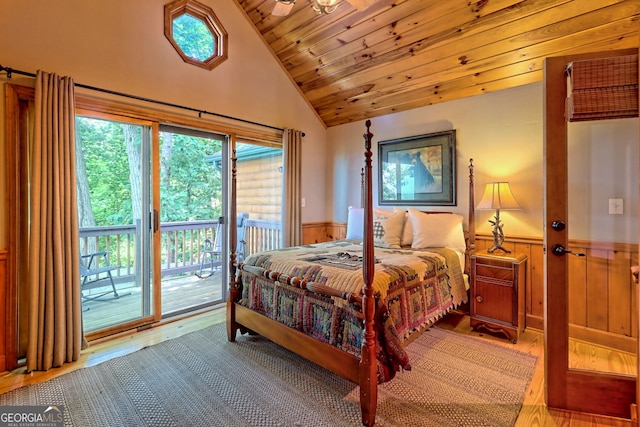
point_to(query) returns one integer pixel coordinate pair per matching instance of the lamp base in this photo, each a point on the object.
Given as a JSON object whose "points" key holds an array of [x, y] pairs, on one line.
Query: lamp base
{"points": [[498, 247], [498, 235]]}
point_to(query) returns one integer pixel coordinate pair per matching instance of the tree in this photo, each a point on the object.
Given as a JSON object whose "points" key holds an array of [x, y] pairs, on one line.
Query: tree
{"points": [[133, 144], [189, 184]]}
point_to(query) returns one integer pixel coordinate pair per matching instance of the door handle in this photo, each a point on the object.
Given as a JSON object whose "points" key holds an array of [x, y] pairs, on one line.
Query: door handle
{"points": [[156, 220], [560, 250]]}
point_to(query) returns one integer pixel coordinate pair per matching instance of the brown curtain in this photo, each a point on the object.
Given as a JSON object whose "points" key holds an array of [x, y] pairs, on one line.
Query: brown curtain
{"points": [[55, 312], [291, 200]]}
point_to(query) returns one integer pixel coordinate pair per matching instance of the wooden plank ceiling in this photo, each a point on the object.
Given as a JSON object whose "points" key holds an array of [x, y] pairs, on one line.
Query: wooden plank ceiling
{"points": [[398, 55]]}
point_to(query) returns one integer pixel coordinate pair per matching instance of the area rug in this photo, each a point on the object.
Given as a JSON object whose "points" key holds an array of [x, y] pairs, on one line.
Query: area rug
{"points": [[201, 379]]}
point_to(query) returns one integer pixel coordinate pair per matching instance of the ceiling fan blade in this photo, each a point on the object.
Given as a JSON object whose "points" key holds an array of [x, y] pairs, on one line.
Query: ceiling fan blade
{"points": [[361, 4], [282, 9]]}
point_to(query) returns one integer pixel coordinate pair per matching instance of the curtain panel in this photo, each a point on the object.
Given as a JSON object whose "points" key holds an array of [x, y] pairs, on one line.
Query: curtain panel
{"points": [[55, 312], [291, 188]]}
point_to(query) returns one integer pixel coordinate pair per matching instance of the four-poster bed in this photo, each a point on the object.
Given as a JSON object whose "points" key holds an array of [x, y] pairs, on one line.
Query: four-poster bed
{"points": [[351, 307]]}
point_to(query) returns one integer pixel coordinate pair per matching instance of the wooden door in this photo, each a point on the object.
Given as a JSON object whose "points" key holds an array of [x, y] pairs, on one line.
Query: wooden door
{"points": [[567, 388]]}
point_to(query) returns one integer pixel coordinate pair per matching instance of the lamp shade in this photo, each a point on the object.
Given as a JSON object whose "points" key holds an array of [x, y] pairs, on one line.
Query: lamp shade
{"points": [[498, 195]]}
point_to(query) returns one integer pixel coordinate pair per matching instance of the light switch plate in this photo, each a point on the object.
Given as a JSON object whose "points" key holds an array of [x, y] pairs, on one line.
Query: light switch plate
{"points": [[616, 206]]}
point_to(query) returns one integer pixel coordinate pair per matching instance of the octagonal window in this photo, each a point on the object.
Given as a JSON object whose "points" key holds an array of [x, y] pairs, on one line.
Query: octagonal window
{"points": [[193, 37], [195, 33]]}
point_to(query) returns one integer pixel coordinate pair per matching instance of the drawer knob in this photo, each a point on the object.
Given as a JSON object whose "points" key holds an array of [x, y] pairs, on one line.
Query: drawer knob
{"points": [[479, 298]]}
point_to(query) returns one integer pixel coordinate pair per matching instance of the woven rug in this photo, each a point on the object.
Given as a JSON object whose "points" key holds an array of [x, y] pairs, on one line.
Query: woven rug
{"points": [[201, 379]]}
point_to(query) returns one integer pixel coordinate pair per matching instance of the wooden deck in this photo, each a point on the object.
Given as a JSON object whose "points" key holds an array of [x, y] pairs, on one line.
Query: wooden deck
{"points": [[179, 293]]}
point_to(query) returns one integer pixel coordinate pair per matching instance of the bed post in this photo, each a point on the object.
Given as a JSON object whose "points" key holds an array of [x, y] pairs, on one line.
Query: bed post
{"points": [[234, 289], [472, 211], [368, 368], [362, 197]]}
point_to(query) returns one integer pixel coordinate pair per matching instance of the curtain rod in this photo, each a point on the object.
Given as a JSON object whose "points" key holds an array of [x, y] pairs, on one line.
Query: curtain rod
{"points": [[11, 71]]}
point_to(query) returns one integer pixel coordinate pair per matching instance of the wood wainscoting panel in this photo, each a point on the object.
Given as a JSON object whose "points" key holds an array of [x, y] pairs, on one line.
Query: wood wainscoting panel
{"points": [[317, 232]]}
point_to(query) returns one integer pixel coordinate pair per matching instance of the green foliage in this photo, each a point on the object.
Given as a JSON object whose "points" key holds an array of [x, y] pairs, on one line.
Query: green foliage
{"points": [[194, 37], [190, 188], [107, 170]]}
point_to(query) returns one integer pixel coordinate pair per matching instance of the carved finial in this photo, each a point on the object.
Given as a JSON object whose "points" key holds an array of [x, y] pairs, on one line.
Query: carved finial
{"points": [[368, 137]]}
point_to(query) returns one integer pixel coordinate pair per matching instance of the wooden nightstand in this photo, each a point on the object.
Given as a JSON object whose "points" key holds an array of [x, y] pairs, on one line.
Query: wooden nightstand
{"points": [[497, 292]]}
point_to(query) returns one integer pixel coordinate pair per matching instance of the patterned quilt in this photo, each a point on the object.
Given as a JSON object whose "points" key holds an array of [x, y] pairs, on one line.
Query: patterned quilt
{"points": [[413, 289]]}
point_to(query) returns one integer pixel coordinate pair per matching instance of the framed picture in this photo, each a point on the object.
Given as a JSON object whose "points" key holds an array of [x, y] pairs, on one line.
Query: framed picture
{"points": [[418, 170]]}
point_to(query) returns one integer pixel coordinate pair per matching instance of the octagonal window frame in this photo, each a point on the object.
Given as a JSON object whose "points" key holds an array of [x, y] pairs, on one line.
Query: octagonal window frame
{"points": [[205, 14]]}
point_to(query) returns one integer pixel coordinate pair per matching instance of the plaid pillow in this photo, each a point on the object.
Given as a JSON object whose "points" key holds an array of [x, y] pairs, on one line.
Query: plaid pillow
{"points": [[387, 230]]}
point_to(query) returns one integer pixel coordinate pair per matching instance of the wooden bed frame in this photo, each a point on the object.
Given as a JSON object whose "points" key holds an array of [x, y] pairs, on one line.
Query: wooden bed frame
{"points": [[361, 371]]}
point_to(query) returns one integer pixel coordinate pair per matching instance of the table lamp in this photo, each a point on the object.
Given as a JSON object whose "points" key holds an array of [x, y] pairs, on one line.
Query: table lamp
{"points": [[498, 195]]}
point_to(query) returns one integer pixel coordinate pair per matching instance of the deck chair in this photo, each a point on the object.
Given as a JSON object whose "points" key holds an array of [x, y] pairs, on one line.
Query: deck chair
{"points": [[211, 253], [95, 271]]}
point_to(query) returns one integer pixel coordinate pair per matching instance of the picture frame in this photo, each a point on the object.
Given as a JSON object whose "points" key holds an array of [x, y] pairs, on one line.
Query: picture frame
{"points": [[418, 170]]}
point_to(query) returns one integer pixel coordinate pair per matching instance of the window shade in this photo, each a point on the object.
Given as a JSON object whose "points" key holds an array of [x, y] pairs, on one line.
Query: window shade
{"points": [[605, 88]]}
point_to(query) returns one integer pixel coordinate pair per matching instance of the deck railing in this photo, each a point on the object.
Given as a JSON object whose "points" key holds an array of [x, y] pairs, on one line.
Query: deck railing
{"points": [[261, 236], [181, 243]]}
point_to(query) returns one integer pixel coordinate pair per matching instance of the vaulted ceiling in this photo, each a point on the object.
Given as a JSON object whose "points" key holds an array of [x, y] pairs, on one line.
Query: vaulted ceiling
{"points": [[397, 55]]}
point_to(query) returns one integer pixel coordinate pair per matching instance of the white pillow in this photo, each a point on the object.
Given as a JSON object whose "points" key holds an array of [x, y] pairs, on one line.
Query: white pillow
{"points": [[355, 223], [407, 230], [387, 230], [437, 230]]}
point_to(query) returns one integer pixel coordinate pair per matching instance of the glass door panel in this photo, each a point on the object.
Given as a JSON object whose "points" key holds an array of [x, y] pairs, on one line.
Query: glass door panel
{"points": [[191, 205], [114, 199], [258, 197], [603, 208]]}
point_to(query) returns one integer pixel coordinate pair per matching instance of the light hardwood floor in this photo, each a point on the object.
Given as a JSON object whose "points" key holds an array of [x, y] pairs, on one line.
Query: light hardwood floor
{"points": [[533, 414]]}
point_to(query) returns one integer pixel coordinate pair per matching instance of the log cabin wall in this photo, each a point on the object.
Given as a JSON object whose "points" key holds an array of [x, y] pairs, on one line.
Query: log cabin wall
{"points": [[602, 309], [259, 187]]}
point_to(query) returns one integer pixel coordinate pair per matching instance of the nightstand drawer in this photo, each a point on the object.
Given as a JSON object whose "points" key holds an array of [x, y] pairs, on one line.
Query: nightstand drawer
{"points": [[495, 272]]}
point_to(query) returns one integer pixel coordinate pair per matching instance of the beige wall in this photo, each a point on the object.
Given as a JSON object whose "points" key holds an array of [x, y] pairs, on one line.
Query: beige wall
{"points": [[503, 133], [120, 45]]}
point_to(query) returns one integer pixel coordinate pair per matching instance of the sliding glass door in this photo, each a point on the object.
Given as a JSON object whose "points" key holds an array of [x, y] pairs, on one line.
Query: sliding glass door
{"points": [[141, 261], [191, 210], [153, 217], [114, 191]]}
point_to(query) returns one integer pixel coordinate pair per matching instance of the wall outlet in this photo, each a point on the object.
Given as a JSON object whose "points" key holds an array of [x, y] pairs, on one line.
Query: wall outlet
{"points": [[303, 202], [616, 206]]}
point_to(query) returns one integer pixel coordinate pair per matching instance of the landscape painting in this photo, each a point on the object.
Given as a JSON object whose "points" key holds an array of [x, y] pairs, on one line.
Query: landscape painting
{"points": [[418, 170]]}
